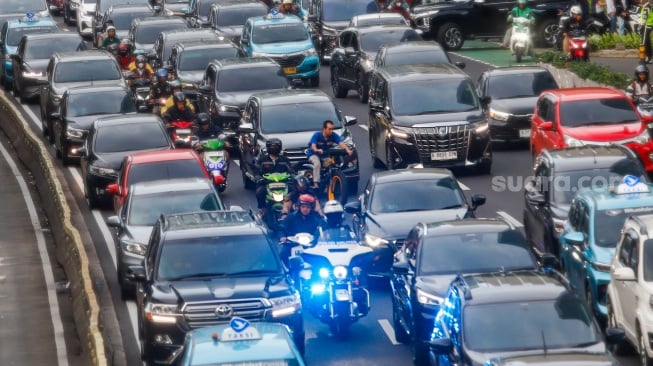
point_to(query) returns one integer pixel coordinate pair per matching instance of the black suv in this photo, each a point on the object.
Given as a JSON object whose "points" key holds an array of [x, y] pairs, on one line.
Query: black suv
{"points": [[527, 317], [558, 175], [229, 16], [431, 257], [204, 268], [120, 16], [452, 22], [165, 40], [428, 114], [143, 31]]}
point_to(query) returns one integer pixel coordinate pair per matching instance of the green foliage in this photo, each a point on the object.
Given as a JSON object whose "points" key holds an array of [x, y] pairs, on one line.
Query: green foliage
{"points": [[609, 41], [585, 70], [555, 58]]}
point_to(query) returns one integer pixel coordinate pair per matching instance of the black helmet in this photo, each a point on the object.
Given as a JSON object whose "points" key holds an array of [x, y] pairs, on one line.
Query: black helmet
{"points": [[273, 146], [202, 119], [179, 97], [641, 69], [301, 183]]}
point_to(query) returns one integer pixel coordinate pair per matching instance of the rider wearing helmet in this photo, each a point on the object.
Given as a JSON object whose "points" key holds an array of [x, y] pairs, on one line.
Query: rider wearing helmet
{"points": [[178, 112], [301, 186], [640, 86], [647, 19], [175, 86], [141, 68], [270, 161], [522, 10], [124, 57], [336, 230], [287, 7], [160, 89], [204, 128], [304, 220], [575, 22], [110, 38]]}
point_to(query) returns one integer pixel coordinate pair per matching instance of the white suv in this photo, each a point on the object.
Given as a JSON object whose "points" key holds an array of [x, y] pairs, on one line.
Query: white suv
{"points": [[630, 292]]}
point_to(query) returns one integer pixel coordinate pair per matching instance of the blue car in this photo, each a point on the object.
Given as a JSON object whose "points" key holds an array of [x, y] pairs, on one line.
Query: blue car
{"points": [[241, 343], [285, 39], [12, 32], [590, 235]]}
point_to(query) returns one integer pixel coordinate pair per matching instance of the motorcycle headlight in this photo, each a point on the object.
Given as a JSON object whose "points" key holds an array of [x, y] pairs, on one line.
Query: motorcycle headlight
{"points": [[642, 138], [75, 132], [425, 298], [161, 313], [340, 272], [277, 196], [480, 127], [499, 116], [108, 172], [285, 305], [133, 247], [573, 142], [375, 241]]}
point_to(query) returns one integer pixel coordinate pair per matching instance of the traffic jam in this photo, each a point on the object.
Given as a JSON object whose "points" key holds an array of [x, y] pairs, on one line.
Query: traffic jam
{"points": [[276, 181]]}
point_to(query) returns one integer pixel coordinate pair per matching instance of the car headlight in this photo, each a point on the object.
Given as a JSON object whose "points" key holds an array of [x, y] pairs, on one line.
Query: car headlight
{"points": [[258, 54], [642, 138], [75, 132], [425, 298], [228, 108], [133, 247], [32, 74], [401, 132], [368, 64], [161, 313], [480, 127], [498, 115], [309, 52], [108, 172], [375, 241], [340, 272], [573, 142], [285, 305]]}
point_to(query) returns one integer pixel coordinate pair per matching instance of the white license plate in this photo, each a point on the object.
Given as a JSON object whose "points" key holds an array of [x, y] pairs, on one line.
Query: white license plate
{"points": [[295, 251], [183, 131], [276, 185], [444, 155], [342, 295], [525, 133], [214, 154]]}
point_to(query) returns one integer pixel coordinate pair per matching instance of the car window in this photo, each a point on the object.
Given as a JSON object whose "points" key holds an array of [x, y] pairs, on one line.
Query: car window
{"points": [[124, 20], [394, 58], [44, 48], [608, 225], [147, 33], [145, 209], [105, 4], [259, 78], [86, 70], [545, 110], [345, 39], [595, 112], [88, 104], [15, 34], [370, 42], [21, 6], [297, 117], [235, 16], [339, 10], [647, 257], [520, 85], [634, 256], [433, 96], [416, 195], [198, 59], [278, 33], [131, 137], [172, 169], [626, 248]]}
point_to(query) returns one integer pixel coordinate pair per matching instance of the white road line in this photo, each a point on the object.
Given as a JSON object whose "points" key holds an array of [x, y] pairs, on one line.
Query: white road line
{"points": [[462, 186], [55, 315], [37, 121], [237, 162], [365, 127], [510, 219], [388, 330], [475, 60]]}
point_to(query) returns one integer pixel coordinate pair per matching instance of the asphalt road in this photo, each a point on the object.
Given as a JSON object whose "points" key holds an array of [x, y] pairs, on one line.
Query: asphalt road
{"points": [[371, 341]]}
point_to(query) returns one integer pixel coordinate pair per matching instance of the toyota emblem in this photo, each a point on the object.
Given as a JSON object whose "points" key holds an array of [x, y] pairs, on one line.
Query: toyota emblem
{"points": [[442, 131], [224, 311]]}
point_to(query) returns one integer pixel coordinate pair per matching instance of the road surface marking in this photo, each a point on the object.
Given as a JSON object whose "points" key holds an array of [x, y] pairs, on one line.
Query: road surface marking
{"points": [[510, 219], [388, 330], [462, 186], [55, 315], [37, 121], [237, 162], [364, 127]]}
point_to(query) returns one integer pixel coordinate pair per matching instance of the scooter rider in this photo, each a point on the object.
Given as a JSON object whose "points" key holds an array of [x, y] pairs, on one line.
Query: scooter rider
{"points": [[272, 161], [178, 112], [175, 86], [640, 86], [319, 145], [400, 7], [522, 10], [204, 129], [160, 89], [111, 37], [124, 57], [304, 220], [574, 22]]}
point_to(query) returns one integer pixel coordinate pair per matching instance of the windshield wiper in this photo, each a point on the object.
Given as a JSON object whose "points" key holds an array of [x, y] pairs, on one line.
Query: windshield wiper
{"points": [[410, 210], [198, 275], [253, 272], [450, 207], [435, 111]]}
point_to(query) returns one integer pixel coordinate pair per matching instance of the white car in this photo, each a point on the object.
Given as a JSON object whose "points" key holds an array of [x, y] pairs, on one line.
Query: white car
{"points": [[84, 14], [630, 291]]}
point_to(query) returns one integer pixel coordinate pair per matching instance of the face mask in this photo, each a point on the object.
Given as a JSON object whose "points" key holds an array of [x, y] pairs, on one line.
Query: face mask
{"points": [[141, 65]]}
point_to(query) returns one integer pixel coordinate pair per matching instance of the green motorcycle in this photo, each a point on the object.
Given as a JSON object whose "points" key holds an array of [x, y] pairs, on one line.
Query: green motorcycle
{"points": [[277, 191]]}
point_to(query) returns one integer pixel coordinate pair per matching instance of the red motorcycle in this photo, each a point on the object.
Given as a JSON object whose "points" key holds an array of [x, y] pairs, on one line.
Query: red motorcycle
{"points": [[181, 133], [578, 46]]}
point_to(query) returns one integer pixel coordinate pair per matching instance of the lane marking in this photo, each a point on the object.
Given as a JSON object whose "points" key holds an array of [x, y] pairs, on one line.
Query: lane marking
{"points": [[37, 121], [365, 127], [475, 60], [388, 330], [510, 219], [463, 187], [55, 315]]}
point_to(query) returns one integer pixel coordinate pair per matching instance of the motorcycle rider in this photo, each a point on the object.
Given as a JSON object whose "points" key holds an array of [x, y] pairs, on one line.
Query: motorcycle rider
{"points": [[319, 144], [175, 87], [110, 38], [124, 56], [399, 6], [141, 69], [575, 21], [640, 86], [304, 220], [159, 90], [336, 230], [205, 129], [301, 186], [276, 163], [647, 20], [178, 112], [522, 10], [287, 7]]}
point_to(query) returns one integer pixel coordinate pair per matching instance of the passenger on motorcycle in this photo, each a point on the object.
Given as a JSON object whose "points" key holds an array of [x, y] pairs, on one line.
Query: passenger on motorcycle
{"points": [[574, 22], [111, 38], [301, 186], [400, 7], [319, 146], [175, 87], [522, 10], [279, 164], [178, 112], [640, 86], [304, 220], [336, 230]]}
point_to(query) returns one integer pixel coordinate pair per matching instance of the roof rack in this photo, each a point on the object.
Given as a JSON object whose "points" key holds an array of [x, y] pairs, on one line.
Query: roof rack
{"points": [[203, 219]]}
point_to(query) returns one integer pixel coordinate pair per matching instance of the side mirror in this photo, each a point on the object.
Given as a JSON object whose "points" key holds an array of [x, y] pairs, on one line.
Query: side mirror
{"points": [[353, 207], [546, 126], [55, 115], [535, 198], [460, 64], [574, 238], [477, 200], [549, 261], [623, 274], [113, 221], [614, 335], [441, 346], [136, 273], [113, 188], [205, 89], [349, 51], [350, 120], [244, 41], [246, 127]]}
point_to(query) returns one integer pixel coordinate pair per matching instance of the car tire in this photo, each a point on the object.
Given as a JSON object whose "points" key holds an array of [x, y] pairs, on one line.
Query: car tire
{"points": [[589, 299], [66, 15], [400, 334], [450, 36], [376, 162], [389, 158], [420, 352], [91, 198], [362, 89], [65, 158], [58, 149], [618, 348], [51, 131], [338, 90], [485, 167], [547, 33]]}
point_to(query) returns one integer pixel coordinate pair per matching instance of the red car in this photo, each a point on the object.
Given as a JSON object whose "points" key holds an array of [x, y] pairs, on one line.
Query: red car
{"points": [[155, 165], [589, 116]]}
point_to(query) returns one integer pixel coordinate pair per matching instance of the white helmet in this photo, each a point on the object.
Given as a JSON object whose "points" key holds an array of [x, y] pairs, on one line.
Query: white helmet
{"points": [[576, 10], [333, 211]]}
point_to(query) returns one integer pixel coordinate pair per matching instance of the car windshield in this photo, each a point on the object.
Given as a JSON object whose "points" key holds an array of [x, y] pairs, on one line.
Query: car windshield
{"points": [[237, 16], [647, 258], [433, 96], [593, 112], [564, 185], [89, 104], [339, 10], [86, 70], [259, 78], [21, 6], [529, 325], [220, 256], [130, 137], [278, 33], [416, 195], [123, 21], [608, 224], [145, 209], [198, 59], [475, 252], [15, 34], [371, 42], [105, 4], [417, 57], [521, 85], [146, 34], [36, 49], [288, 118], [170, 169]]}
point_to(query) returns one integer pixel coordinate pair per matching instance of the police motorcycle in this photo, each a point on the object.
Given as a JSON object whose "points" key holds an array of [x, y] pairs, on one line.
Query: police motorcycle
{"points": [[330, 273]]}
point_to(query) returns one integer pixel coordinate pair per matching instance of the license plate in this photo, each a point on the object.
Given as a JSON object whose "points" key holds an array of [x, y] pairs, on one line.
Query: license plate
{"points": [[214, 155], [444, 155], [276, 185], [289, 70], [525, 133], [342, 295], [296, 251], [183, 131]]}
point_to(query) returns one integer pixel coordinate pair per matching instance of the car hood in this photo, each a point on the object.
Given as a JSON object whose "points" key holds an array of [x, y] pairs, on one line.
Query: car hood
{"points": [[86, 122], [392, 226], [233, 31], [437, 285], [591, 356], [284, 47], [338, 25], [518, 106], [228, 288], [431, 120], [236, 98], [114, 160], [431, 7], [602, 254], [38, 65], [609, 133], [192, 76], [60, 88], [140, 234]]}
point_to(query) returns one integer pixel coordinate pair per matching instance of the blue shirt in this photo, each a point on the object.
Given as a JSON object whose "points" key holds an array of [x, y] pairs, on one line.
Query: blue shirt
{"points": [[323, 143]]}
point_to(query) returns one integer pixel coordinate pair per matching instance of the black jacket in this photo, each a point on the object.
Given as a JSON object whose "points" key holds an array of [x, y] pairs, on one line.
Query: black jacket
{"points": [[297, 223], [174, 114], [280, 165], [572, 24]]}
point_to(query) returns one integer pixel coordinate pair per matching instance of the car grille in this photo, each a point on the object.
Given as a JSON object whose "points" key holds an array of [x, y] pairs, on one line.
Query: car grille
{"points": [[201, 314], [289, 61], [295, 155], [520, 120], [443, 138]]}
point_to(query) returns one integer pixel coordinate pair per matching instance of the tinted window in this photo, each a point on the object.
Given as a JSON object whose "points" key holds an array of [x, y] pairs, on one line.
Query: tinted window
{"points": [[596, 112], [235, 16], [21, 6], [559, 323], [100, 103], [345, 10], [76, 71], [199, 59], [297, 117], [260, 78], [648, 260], [275, 33], [380, 20], [145, 209], [44, 48], [474, 252], [124, 20], [411, 58], [146, 34], [371, 42], [520, 85], [216, 255], [146, 172], [105, 4], [416, 195], [205, 6], [132, 137], [608, 224], [439, 96], [15, 34]]}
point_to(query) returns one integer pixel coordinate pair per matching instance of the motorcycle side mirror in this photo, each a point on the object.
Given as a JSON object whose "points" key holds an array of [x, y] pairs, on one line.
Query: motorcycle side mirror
{"points": [[136, 273], [350, 120], [485, 101], [353, 207]]}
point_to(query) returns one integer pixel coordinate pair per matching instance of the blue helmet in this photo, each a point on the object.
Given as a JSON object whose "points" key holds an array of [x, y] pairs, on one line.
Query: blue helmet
{"points": [[162, 73]]}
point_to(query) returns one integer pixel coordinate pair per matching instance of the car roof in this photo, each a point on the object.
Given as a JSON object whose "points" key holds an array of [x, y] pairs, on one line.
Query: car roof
{"points": [[476, 225], [96, 54], [377, 16], [245, 62], [218, 43], [159, 19], [291, 96], [90, 89], [585, 93], [603, 198], [505, 287], [161, 155], [586, 157], [170, 185], [127, 119], [245, 3], [190, 33], [399, 175], [417, 46], [42, 21], [420, 72], [511, 70], [55, 35], [645, 222]]}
